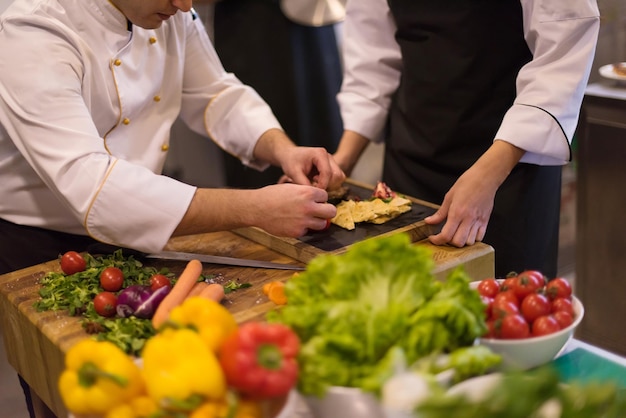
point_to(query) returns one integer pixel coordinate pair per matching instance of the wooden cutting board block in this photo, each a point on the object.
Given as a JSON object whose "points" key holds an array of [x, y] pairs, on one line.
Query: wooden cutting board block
{"points": [[336, 240]]}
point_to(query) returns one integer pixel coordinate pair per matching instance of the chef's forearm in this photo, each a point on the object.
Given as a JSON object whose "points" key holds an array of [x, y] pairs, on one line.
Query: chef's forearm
{"points": [[272, 146], [349, 150], [498, 161], [214, 210]]}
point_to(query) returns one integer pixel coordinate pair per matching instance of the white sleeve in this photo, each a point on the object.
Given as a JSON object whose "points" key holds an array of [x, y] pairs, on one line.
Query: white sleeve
{"points": [[372, 66], [561, 35], [42, 110]]}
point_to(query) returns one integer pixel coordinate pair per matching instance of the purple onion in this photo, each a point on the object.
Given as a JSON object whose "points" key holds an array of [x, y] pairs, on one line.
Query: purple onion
{"points": [[131, 298], [148, 306]]}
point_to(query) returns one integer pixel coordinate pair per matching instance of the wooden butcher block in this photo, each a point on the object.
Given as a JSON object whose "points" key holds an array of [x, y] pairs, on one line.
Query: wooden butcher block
{"points": [[336, 240]]}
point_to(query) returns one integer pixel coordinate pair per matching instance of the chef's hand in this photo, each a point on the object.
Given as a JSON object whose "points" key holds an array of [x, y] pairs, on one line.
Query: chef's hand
{"points": [[313, 166], [290, 210], [303, 165], [467, 206], [465, 209]]}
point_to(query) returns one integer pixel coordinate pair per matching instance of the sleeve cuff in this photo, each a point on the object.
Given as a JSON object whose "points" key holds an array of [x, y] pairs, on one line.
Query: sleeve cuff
{"points": [[538, 133]]}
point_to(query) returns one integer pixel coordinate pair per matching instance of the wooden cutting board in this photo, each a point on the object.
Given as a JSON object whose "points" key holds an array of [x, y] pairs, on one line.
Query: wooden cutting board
{"points": [[336, 240]]}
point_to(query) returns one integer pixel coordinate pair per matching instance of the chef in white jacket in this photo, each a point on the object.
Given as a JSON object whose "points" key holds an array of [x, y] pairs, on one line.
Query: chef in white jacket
{"points": [[88, 92], [477, 102]]}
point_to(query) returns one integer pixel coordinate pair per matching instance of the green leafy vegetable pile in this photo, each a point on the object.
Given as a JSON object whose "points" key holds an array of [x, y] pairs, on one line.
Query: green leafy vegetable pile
{"points": [[75, 294], [355, 310], [535, 393]]}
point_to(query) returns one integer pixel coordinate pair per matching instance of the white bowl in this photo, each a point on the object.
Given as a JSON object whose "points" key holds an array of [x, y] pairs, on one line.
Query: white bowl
{"points": [[345, 402], [526, 353]]}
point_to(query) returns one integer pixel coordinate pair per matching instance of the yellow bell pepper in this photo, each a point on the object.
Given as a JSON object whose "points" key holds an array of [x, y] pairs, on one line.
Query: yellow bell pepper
{"points": [[229, 407], [98, 376], [139, 407], [122, 411], [210, 319], [180, 371]]}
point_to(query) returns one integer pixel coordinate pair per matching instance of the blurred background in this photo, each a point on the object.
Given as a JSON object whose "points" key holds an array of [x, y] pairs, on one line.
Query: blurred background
{"points": [[199, 161]]}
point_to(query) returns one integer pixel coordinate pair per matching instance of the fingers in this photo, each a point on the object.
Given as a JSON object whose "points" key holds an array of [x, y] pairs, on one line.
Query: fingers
{"points": [[314, 166], [459, 235]]}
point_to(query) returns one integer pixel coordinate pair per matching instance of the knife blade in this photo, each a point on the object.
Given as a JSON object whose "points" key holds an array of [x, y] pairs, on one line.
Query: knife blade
{"points": [[218, 259]]}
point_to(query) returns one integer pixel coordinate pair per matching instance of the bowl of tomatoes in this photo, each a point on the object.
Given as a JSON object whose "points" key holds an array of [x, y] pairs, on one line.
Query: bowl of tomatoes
{"points": [[529, 317]]}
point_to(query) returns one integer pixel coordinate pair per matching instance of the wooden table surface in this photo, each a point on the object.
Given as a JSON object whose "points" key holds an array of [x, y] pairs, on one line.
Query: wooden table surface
{"points": [[36, 341]]}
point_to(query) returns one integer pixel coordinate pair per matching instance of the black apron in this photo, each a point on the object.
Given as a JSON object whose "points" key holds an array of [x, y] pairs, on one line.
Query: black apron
{"points": [[460, 63]]}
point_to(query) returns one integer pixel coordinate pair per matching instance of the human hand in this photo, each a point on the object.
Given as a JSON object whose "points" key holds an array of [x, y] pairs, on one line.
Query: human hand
{"points": [[312, 166], [290, 210], [466, 209]]}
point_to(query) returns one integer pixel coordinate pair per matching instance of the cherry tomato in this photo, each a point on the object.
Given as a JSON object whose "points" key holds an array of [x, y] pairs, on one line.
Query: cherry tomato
{"points": [[544, 325], [491, 329], [535, 305], [503, 307], [558, 288], [507, 295], [488, 305], [563, 304], [105, 304], [158, 281], [328, 223], [507, 284], [514, 327], [72, 262], [563, 318], [111, 279], [525, 284], [537, 275], [488, 287]]}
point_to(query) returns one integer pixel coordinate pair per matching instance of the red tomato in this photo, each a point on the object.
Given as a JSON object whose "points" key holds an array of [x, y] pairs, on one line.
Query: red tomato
{"points": [[491, 329], [535, 305], [563, 304], [72, 262], [503, 307], [488, 287], [105, 304], [488, 305], [537, 275], [563, 318], [507, 295], [514, 327], [111, 279], [525, 284], [507, 284], [544, 325], [328, 223], [158, 281], [558, 288]]}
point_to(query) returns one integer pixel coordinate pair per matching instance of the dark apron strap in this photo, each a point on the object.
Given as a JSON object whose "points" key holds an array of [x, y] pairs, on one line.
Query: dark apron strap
{"points": [[23, 246]]}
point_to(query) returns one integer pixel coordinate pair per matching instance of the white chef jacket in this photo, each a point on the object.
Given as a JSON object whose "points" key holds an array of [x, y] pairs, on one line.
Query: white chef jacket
{"points": [[561, 35], [86, 107]]}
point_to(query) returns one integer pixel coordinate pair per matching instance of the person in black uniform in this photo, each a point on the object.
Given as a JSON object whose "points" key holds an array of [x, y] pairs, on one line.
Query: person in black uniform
{"points": [[295, 68], [477, 102]]}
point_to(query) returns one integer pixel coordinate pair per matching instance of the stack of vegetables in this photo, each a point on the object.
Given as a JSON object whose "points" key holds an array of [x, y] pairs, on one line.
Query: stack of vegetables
{"points": [[199, 364], [361, 313]]}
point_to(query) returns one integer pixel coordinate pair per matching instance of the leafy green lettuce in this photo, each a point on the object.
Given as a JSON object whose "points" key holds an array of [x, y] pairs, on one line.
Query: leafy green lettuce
{"points": [[355, 312]]}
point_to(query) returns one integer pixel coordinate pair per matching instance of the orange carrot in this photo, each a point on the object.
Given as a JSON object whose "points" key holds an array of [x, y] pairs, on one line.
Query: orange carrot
{"points": [[213, 291], [197, 289], [186, 281], [276, 293], [267, 287]]}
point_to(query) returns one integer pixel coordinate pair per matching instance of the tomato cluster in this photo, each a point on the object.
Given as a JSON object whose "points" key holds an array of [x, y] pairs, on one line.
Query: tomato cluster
{"points": [[111, 281], [526, 305]]}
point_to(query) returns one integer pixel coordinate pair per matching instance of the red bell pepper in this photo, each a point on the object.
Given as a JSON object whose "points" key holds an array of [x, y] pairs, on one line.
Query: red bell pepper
{"points": [[259, 359]]}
